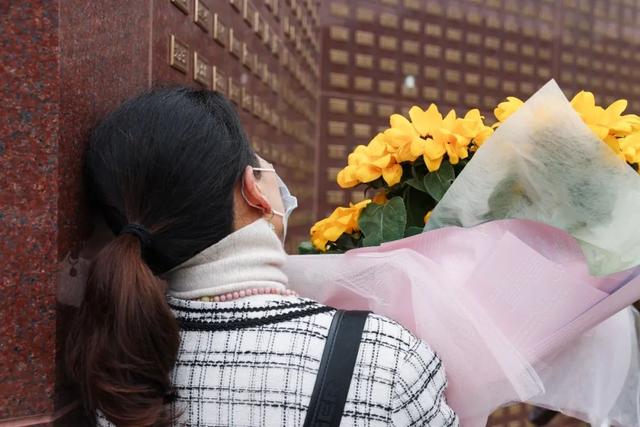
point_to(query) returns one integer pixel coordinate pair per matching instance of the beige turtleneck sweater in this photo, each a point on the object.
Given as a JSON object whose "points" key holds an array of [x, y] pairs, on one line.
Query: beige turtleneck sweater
{"points": [[251, 257]]}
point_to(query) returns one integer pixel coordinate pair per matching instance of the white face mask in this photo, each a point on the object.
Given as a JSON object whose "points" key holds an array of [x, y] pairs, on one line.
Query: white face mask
{"points": [[289, 202]]}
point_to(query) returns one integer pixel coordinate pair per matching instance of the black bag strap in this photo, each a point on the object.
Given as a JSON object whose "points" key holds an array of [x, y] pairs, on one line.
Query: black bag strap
{"points": [[336, 368]]}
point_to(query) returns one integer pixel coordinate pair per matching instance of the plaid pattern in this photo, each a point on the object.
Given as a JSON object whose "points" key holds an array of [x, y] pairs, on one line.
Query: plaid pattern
{"points": [[248, 363]]}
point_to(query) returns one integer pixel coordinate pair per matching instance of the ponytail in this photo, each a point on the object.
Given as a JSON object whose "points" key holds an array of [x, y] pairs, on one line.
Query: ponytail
{"points": [[124, 342]]}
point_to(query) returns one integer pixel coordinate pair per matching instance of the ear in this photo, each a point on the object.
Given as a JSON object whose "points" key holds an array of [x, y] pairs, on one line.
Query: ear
{"points": [[252, 193]]}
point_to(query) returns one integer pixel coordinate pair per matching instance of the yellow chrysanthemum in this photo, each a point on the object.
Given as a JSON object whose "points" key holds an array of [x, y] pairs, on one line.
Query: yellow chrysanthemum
{"points": [[427, 216], [342, 220], [507, 108]]}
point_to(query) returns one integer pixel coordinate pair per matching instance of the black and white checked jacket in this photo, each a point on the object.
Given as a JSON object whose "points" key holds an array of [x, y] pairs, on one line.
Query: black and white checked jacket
{"points": [[254, 363]]}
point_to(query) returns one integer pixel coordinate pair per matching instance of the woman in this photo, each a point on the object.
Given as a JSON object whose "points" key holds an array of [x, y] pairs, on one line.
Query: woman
{"points": [[186, 317]]}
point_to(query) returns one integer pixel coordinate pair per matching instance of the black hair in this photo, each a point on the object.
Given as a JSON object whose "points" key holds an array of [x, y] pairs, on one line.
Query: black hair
{"points": [[167, 160]]}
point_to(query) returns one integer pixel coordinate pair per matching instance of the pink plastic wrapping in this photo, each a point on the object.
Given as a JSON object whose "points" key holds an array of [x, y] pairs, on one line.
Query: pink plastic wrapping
{"points": [[508, 306]]}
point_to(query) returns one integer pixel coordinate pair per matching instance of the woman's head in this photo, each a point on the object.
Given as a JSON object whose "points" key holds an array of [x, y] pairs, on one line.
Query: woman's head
{"points": [[177, 163]]}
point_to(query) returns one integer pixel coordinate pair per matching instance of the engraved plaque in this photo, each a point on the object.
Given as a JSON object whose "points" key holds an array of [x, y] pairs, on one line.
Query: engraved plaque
{"points": [[339, 9], [248, 12], [410, 92], [362, 108], [247, 59], [452, 55], [472, 58], [411, 47], [412, 4], [364, 14], [201, 70], [220, 32], [178, 54], [235, 47], [410, 68], [472, 99], [336, 151], [364, 38], [509, 86], [236, 4], [430, 93], [339, 56], [432, 51], [364, 60], [433, 30], [332, 173], [257, 106], [451, 96], [338, 105], [219, 81], [361, 130], [334, 197], [338, 80], [491, 62], [339, 33], [234, 92], [388, 64], [472, 79], [389, 20], [494, 43], [363, 83], [337, 128], [474, 39], [431, 72], [272, 5], [491, 82], [247, 99], [411, 25], [454, 34], [452, 76], [387, 87], [202, 16], [183, 5], [385, 110], [257, 65], [258, 25], [527, 69], [388, 42], [509, 46]]}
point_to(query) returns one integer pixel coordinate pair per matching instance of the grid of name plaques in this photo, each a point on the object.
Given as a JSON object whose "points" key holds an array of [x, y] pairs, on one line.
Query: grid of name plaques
{"points": [[381, 56], [263, 56]]}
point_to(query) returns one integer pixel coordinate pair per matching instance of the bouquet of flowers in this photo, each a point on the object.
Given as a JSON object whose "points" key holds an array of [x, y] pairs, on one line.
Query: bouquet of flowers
{"points": [[511, 249], [408, 168]]}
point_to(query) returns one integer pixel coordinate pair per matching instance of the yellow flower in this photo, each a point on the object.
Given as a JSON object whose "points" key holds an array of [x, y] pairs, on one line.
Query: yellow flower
{"points": [[427, 216], [630, 148], [370, 162], [342, 220], [507, 108]]}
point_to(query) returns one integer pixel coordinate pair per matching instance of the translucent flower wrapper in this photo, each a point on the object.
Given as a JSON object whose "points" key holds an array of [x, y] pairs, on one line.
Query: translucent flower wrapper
{"points": [[510, 308], [543, 163]]}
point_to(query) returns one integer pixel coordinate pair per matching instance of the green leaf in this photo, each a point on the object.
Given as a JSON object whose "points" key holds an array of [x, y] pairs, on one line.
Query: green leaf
{"points": [[437, 183], [306, 248], [417, 184], [417, 204], [383, 223], [346, 242], [412, 231]]}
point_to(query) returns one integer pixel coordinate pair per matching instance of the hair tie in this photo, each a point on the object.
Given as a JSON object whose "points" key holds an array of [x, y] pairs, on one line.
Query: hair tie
{"points": [[140, 232]]}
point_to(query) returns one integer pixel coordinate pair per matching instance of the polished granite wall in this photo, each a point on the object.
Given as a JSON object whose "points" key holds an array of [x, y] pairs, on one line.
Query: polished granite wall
{"points": [[64, 64]]}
